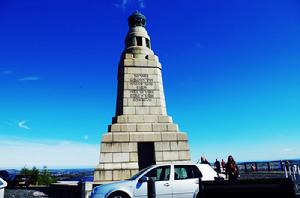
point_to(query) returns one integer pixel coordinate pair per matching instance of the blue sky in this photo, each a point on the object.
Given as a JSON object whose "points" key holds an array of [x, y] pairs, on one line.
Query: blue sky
{"points": [[230, 71]]}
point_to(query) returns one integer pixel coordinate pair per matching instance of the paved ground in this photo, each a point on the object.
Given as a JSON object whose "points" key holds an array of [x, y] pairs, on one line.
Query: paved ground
{"points": [[24, 193]]}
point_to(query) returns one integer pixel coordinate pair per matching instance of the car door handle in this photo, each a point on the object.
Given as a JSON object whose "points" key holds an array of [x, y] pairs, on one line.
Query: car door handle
{"points": [[197, 182], [167, 184]]}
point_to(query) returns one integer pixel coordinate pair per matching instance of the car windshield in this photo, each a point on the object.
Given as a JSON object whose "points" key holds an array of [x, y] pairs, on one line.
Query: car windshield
{"points": [[140, 173]]}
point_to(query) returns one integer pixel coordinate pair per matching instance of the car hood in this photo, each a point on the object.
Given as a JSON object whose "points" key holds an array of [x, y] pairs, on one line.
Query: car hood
{"points": [[106, 188]]}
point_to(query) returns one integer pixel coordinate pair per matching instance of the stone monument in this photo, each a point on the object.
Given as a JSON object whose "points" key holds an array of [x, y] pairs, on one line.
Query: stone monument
{"points": [[141, 133]]}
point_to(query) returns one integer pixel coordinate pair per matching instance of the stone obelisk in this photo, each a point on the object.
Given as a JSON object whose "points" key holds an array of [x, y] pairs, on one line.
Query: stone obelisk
{"points": [[141, 133]]}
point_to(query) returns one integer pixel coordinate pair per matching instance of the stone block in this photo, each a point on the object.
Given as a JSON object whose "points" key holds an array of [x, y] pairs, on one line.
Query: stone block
{"points": [[99, 166], [165, 119], [136, 118], [130, 165], [166, 146], [155, 110], [169, 136], [121, 137], [144, 127], [133, 172], [150, 103], [151, 118], [182, 136], [157, 94], [144, 137], [157, 136], [174, 146], [129, 110], [105, 175], [128, 62], [126, 174], [112, 166], [128, 56], [183, 145], [133, 70], [120, 157], [124, 147], [139, 62], [142, 110], [159, 127], [158, 146], [160, 102], [107, 137], [128, 127], [106, 147], [132, 103], [106, 157], [184, 155], [122, 119], [126, 93], [125, 102], [115, 127], [133, 157], [170, 155], [172, 127], [132, 147], [152, 63], [117, 175], [116, 147], [158, 156]]}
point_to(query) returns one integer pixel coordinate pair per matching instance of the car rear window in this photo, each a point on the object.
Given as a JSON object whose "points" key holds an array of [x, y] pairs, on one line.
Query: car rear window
{"points": [[186, 172]]}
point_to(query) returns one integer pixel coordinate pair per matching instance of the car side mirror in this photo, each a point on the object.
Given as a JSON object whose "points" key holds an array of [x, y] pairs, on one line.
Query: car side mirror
{"points": [[143, 179]]}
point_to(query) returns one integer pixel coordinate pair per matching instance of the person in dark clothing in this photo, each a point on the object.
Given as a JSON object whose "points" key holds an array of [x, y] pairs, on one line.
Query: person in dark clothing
{"points": [[223, 164], [204, 160], [217, 166], [231, 169]]}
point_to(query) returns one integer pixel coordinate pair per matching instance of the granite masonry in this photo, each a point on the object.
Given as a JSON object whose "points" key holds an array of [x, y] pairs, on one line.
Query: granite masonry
{"points": [[141, 133]]}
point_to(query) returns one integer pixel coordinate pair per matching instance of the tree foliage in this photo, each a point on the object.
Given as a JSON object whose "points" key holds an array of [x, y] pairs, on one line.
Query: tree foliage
{"points": [[38, 177]]}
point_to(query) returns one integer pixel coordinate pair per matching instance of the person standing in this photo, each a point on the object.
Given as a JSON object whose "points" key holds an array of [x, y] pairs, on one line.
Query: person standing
{"points": [[217, 166], [204, 160], [231, 169], [223, 165]]}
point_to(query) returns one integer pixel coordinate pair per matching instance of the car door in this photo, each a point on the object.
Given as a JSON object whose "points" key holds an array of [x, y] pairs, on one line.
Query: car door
{"points": [[163, 187], [186, 181]]}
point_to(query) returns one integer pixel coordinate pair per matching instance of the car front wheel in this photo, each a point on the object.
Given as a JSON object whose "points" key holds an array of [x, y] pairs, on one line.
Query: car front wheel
{"points": [[118, 195]]}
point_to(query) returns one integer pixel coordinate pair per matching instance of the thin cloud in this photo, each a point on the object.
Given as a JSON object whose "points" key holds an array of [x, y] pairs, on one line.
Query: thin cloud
{"points": [[121, 5], [141, 3], [125, 3], [52, 153], [29, 78], [22, 124]]}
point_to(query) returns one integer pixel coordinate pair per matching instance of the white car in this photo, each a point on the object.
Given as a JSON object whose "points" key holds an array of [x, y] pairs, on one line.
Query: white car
{"points": [[3, 184], [171, 181]]}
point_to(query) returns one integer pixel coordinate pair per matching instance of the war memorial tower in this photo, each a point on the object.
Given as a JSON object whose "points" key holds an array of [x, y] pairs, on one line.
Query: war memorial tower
{"points": [[141, 133]]}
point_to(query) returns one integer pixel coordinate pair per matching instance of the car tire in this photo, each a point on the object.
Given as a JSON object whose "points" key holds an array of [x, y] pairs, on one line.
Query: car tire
{"points": [[118, 195]]}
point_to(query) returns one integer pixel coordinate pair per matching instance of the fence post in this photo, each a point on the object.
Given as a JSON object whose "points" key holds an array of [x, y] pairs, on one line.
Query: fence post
{"points": [[285, 172], [269, 168], [256, 166], [151, 188], [281, 166], [245, 165]]}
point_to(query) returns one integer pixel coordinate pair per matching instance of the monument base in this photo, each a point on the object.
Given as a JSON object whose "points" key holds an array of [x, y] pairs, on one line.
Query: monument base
{"points": [[123, 154]]}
